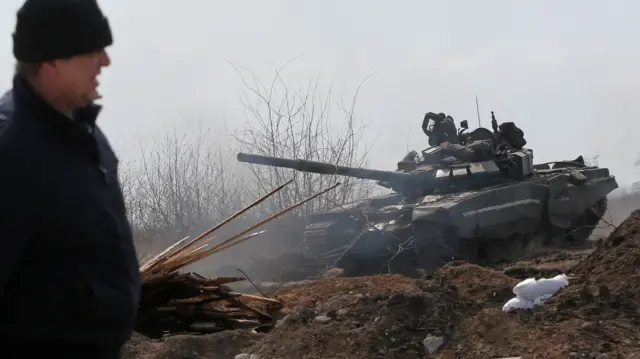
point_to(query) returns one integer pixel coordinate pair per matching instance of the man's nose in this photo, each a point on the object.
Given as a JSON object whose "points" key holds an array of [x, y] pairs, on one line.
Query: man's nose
{"points": [[105, 59]]}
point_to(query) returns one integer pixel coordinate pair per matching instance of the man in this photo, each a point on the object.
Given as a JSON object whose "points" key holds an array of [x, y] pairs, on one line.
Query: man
{"points": [[69, 275], [439, 128], [442, 132]]}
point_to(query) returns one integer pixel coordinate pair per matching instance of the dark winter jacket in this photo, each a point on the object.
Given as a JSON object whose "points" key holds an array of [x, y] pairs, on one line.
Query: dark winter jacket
{"points": [[6, 109], [68, 266]]}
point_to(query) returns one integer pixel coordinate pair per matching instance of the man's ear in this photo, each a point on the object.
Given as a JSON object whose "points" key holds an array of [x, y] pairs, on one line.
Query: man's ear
{"points": [[49, 68]]}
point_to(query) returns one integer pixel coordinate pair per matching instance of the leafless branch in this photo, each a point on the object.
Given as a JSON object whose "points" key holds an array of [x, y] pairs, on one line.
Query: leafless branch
{"points": [[285, 121]]}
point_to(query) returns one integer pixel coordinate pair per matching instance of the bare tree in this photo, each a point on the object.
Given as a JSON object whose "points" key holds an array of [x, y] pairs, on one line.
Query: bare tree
{"points": [[299, 124], [181, 185]]}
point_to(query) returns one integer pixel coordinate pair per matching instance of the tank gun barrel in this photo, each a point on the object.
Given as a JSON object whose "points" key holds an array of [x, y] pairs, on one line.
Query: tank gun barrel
{"points": [[322, 167]]}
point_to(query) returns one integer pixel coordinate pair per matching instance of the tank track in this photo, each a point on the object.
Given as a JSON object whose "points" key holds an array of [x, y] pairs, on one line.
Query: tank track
{"points": [[413, 248]]}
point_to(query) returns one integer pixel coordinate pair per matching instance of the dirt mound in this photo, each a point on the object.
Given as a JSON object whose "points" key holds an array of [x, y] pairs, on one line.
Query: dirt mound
{"points": [[223, 345], [616, 260], [461, 304], [606, 283], [401, 320], [596, 316], [309, 293], [456, 309], [488, 287], [546, 264], [493, 333]]}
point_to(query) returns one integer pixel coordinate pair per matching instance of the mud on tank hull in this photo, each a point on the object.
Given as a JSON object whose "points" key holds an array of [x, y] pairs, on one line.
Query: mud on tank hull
{"points": [[554, 207]]}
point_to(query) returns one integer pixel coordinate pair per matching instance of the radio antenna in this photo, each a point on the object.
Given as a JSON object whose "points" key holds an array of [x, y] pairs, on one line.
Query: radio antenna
{"points": [[478, 110]]}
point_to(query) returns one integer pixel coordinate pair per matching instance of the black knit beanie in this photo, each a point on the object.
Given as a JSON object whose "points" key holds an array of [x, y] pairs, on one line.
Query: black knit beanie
{"points": [[57, 29]]}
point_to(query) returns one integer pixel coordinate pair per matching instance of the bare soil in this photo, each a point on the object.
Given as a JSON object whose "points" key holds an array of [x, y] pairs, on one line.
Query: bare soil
{"points": [[389, 316]]}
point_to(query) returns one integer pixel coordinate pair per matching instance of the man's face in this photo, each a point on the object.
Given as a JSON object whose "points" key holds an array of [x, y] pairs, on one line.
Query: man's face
{"points": [[75, 79]]}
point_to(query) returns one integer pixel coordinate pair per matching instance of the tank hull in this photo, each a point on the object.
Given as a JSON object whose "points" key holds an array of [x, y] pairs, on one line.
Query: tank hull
{"points": [[553, 207]]}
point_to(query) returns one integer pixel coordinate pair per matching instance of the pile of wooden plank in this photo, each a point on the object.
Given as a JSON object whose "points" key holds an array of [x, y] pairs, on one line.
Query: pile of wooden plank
{"points": [[191, 303], [174, 302]]}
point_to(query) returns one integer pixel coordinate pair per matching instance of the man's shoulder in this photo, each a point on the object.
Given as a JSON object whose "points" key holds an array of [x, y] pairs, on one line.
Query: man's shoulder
{"points": [[7, 108], [14, 150]]}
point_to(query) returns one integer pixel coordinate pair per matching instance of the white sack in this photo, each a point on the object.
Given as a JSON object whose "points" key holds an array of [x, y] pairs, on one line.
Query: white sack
{"points": [[517, 303], [531, 288], [531, 292]]}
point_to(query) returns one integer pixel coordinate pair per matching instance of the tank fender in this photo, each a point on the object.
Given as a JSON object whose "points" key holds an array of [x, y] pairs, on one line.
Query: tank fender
{"points": [[576, 199]]}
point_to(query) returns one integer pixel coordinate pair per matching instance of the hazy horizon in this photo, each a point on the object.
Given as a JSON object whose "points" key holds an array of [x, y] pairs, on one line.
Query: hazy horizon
{"points": [[564, 72]]}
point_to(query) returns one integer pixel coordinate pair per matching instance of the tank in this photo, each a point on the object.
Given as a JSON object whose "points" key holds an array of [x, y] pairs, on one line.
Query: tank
{"points": [[482, 211]]}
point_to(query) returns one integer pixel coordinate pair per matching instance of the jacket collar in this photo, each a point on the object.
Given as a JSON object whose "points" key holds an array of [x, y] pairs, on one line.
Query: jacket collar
{"points": [[84, 119]]}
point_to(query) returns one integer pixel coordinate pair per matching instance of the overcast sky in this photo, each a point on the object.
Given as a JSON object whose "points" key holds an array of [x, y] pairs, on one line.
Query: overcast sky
{"points": [[565, 71]]}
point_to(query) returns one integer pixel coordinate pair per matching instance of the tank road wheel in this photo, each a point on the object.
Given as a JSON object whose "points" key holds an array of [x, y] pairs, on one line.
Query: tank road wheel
{"points": [[368, 254], [421, 248], [433, 245], [356, 266], [404, 255], [493, 252]]}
